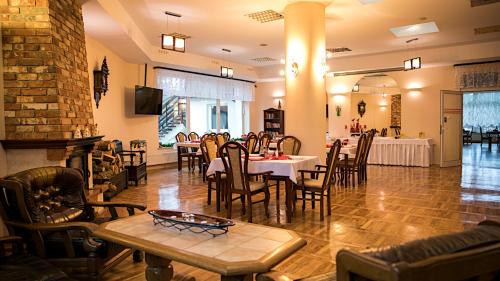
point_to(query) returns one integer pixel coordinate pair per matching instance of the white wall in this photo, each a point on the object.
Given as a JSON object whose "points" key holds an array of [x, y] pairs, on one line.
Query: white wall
{"points": [[115, 116], [267, 95]]}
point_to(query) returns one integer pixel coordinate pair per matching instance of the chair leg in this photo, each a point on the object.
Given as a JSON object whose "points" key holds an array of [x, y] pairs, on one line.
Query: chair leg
{"points": [[209, 196], [303, 199], [243, 209], [229, 203], [321, 208], [137, 256], [267, 196], [329, 200], [250, 219], [313, 200]]}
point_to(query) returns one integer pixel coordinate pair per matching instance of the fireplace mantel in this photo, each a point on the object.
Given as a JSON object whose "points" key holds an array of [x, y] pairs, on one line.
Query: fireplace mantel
{"points": [[49, 144]]}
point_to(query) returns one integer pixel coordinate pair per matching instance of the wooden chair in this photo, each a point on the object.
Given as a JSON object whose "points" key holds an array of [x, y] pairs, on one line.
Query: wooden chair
{"points": [[354, 165], [193, 136], [183, 152], [259, 135], [220, 140], [264, 141], [467, 136], [383, 133], [227, 136], [289, 145], [209, 151], [195, 154], [484, 136], [251, 143], [366, 153], [320, 185], [238, 179]]}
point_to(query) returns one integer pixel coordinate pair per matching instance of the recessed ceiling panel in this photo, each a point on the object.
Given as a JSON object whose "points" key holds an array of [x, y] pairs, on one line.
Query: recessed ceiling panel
{"points": [[415, 29], [366, 2]]}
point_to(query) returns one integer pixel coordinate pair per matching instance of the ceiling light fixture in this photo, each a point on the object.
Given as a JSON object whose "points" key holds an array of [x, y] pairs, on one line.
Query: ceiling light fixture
{"points": [[415, 29], [172, 41], [413, 63], [226, 72], [355, 88]]}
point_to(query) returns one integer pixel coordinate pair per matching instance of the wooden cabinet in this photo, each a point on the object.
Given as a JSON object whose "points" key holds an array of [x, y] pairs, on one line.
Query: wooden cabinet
{"points": [[274, 121]]}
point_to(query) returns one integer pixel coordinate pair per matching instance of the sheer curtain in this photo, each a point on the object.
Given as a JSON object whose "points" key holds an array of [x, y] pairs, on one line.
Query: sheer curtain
{"points": [[482, 109], [478, 76], [175, 83]]}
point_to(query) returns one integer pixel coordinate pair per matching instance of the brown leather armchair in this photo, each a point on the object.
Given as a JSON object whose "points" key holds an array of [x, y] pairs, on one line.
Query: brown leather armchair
{"points": [[47, 207], [469, 255]]}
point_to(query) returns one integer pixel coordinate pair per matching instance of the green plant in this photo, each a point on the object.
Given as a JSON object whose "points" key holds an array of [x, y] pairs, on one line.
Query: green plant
{"points": [[167, 145]]}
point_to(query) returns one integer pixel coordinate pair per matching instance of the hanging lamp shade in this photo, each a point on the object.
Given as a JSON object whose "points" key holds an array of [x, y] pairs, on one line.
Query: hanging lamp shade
{"points": [[167, 42]]}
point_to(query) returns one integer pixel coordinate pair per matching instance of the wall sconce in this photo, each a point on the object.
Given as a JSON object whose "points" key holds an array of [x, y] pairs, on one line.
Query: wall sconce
{"points": [[414, 63], [294, 69], [355, 88]]}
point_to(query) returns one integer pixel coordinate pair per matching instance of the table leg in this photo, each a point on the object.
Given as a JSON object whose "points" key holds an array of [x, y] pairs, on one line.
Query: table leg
{"points": [[217, 191], [246, 277], [158, 269], [288, 200], [490, 140], [346, 165], [278, 200], [179, 158]]}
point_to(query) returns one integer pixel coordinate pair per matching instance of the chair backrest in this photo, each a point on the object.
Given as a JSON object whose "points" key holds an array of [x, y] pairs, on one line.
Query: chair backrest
{"points": [[208, 147], [251, 143], [43, 195], [193, 136], [264, 140], [368, 144], [331, 164], [289, 145], [260, 134], [219, 138], [360, 149], [181, 137], [227, 136], [236, 167]]}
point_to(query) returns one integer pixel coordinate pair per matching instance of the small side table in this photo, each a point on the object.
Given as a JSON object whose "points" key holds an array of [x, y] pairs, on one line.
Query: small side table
{"points": [[137, 172]]}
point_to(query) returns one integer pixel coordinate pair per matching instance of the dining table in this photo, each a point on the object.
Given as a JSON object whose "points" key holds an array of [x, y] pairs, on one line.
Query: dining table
{"points": [[286, 170]]}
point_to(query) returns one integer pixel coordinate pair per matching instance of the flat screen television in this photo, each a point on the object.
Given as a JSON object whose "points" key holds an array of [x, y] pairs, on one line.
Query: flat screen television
{"points": [[148, 100]]}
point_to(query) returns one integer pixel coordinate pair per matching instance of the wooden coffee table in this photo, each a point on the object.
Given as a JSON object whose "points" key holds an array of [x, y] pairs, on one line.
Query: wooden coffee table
{"points": [[246, 249]]}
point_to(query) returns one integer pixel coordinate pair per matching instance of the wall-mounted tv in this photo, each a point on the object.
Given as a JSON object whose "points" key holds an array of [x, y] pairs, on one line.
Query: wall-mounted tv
{"points": [[148, 100]]}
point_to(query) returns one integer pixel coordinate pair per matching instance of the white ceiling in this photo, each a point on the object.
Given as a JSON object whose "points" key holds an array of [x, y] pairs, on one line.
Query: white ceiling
{"points": [[217, 24]]}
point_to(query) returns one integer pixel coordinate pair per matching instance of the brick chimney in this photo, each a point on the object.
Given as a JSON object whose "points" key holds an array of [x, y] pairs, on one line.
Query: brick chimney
{"points": [[45, 69]]}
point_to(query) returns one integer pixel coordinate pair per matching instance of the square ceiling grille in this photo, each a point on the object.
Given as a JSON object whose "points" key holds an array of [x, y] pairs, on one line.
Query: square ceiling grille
{"points": [[179, 35], [265, 16], [264, 59], [487, 29], [475, 3], [338, 50]]}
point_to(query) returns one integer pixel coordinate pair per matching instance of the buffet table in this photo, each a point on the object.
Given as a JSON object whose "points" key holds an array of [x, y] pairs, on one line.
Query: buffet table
{"points": [[399, 152]]}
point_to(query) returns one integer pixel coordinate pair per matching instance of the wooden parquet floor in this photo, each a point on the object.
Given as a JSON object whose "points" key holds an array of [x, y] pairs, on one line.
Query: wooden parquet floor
{"points": [[396, 205]]}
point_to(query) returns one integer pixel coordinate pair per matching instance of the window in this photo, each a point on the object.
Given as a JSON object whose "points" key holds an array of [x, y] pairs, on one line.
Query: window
{"points": [[201, 104], [481, 109]]}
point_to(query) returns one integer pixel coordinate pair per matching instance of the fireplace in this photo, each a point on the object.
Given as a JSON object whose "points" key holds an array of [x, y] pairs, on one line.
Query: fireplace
{"points": [[73, 153]]}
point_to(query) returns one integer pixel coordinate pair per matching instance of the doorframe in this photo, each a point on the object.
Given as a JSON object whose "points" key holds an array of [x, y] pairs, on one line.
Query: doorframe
{"points": [[441, 128]]}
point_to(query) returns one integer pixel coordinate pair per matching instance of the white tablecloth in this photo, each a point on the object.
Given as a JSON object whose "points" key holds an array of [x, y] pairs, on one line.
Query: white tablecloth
{"points": [[399, 152], [188, 144], [288, 168]]}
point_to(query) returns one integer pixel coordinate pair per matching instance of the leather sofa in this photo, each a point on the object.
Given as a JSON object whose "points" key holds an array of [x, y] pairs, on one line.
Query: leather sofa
{"points": [[469, 255]]}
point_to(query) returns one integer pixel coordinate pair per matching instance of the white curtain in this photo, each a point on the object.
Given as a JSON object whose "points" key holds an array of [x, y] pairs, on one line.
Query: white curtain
{"points": [[181, 84], [482, 109], [478, 76]]}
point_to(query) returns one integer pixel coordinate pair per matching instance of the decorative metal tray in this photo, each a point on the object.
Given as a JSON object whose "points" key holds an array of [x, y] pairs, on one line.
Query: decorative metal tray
{"points": [[195, 223]]}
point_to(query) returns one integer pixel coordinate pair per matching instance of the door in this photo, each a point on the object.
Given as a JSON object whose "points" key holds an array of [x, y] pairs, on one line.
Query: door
{"points": [[451, 128]]}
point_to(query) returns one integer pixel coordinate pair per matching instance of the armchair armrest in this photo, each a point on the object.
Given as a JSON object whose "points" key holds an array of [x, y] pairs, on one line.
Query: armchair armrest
{"points": [[63, 229], [321, 166], [111, 206], [16, 242], [352, 262], [312, 171]]}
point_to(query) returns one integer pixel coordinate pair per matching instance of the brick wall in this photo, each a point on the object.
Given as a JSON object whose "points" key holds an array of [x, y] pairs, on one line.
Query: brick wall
{"points": [[396, 110], [45, 69]]}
